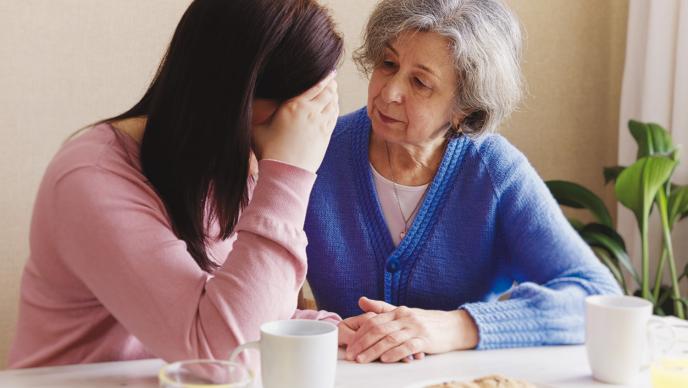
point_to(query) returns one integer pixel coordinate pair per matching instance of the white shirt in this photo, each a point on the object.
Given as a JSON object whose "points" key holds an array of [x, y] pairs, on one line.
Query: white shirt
{"points": [[409, 198]]}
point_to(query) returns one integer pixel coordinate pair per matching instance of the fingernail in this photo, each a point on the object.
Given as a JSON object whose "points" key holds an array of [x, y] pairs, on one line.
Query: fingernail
{"points": [[360, 358]]}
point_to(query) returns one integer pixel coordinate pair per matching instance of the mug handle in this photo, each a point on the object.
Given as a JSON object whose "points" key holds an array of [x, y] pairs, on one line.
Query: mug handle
{"points": [[241, 348], [654, 352]]}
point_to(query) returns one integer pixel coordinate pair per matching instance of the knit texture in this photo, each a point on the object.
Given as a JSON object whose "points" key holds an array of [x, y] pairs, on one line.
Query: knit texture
{"points": [[487, 227], [107, 279]]}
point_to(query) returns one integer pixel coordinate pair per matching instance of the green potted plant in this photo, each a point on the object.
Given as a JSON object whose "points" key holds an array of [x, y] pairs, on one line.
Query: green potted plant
{"points": [[641, 187]]}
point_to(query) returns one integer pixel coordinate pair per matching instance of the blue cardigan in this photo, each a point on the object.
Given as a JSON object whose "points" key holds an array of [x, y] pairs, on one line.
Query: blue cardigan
{"points": [[487, 226]]}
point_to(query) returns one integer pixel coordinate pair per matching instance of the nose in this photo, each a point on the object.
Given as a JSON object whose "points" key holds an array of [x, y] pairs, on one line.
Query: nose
{"points": [[393, 90]]}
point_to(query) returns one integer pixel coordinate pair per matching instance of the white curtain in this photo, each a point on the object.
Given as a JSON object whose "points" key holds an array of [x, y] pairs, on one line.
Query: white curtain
{"points": [[655, 88]]}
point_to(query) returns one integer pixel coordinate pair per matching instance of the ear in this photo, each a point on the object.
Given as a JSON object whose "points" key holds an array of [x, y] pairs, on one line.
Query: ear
{"points": [[456, 119]]}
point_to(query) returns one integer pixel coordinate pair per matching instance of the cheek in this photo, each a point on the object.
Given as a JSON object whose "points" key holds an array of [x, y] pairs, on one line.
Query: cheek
{"points": [[422, 118], [416, 117], [435, 111], [374, 86]]}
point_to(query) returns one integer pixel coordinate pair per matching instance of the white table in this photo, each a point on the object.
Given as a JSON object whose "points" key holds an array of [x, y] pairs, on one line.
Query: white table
{"points": [[547, 367]]}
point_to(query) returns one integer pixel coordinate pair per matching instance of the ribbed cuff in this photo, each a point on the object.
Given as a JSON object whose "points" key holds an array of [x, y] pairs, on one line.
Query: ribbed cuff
{"points": [[506, 324]]}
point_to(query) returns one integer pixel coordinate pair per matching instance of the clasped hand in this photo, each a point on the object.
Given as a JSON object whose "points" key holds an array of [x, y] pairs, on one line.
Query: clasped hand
{"points": [[391, 334]]}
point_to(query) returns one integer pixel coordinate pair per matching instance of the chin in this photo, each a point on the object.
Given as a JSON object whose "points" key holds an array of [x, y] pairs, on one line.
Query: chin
{"points": [[385, 133]]}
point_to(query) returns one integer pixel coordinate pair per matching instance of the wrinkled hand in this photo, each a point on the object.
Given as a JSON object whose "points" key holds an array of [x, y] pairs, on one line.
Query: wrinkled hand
{"points": [[392, 333], [348, 328], [300, 129]]}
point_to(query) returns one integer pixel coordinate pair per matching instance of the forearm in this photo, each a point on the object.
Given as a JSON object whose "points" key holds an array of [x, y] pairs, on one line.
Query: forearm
{"points": [[128, 257], [261, 278], [535, 315]]}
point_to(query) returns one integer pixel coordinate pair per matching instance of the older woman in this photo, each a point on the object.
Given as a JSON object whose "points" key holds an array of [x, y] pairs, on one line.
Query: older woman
{"points": [[419, 204]]}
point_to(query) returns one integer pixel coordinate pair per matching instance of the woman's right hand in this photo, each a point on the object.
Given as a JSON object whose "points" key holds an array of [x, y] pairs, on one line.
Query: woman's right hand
{"points": [[300, 129]]}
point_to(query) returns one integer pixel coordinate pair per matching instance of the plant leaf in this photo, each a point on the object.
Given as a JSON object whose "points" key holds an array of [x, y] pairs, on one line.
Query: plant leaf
{"points": [[651, 138], [574, 195], [577, 224], [610, 263], [599, 235], [684, 274], [611, 173], [661, 140], [678, 204], [664, 300], [637, 186], [641, 134], [676, 153], [607, 231], [684, 301]]}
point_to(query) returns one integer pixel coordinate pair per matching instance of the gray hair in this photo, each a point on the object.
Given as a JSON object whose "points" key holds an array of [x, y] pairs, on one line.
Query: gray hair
{"points": [[485, 41]]}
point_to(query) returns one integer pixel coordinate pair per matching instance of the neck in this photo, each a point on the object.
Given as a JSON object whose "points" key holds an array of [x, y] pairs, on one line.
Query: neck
{"points": [[133, 127], [406, 164]]}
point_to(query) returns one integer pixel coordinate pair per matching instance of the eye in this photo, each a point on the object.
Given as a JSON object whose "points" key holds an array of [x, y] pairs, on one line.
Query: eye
{"points": [[387, 64], [418, 82]]}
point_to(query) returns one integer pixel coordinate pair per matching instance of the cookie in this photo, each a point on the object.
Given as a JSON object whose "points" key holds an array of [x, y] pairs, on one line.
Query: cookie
{"points": [[493, 381]]}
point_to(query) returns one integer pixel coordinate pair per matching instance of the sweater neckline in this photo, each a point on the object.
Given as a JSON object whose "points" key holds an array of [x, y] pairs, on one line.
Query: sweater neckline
{"points": [[396, 262], [387, 182]]}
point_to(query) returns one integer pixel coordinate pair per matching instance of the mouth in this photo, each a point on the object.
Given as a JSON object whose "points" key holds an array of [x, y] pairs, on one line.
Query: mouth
{"points": [[386, 119]]}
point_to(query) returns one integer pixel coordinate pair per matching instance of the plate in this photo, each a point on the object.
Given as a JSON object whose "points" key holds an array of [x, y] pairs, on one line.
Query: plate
{"points": [[460, 379], [425, 383]]}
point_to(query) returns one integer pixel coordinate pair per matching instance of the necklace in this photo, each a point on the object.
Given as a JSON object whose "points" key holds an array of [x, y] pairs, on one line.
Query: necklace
{"points": [[396, 196]]}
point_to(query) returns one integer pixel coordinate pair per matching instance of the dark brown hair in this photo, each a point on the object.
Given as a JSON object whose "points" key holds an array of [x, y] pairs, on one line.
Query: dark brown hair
{"points": [[197, 142]]}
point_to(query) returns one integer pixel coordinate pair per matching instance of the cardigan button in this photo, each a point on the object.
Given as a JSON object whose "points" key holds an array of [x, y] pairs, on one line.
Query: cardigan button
{"points": [[393, 266]]}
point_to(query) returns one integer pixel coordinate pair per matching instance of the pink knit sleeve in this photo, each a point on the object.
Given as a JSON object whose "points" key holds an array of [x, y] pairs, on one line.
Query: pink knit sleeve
{"points": [[321, 315], [113, 236]]}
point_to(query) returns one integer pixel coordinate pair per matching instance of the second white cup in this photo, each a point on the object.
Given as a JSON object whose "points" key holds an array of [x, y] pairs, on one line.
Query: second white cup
{"points": [[296, 353], [620, 336]]}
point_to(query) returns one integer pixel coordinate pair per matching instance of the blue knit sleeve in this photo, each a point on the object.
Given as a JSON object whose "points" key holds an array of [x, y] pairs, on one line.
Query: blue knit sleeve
{"points": [[553, 267]]}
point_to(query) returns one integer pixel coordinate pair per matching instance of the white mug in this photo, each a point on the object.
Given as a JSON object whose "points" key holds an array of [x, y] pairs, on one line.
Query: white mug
{"points": [[618, 336], [296, 353]]}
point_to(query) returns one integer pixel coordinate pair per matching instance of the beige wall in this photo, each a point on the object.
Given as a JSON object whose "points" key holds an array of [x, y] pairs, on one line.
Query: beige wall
{"points": [[573, 64], [65, 63]]}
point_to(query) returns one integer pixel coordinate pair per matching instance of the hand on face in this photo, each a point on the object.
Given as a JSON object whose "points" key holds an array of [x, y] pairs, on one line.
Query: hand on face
{"points": [[391, 333], [300, 129]]}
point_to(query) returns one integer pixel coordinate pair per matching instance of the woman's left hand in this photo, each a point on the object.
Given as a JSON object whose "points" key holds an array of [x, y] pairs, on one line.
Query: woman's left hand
{"points": [[394, 333]]}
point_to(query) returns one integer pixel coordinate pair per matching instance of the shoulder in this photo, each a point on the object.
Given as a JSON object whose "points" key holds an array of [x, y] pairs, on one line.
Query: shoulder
{"points": [[346, 142], [84, 149], [356, 120], [96, 164], [496, 150], [96, 147], [505, 164]]}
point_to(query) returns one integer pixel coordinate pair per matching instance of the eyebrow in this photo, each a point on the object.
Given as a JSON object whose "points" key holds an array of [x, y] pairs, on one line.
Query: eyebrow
{"points": [[418, 65]]}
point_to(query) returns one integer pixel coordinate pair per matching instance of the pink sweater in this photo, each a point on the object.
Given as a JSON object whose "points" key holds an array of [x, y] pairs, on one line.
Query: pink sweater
{"points": [[107, 279]]}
